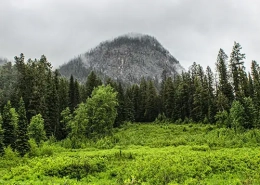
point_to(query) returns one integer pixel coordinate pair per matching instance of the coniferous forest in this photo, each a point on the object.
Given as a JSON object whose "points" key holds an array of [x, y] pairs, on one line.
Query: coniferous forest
{"points": [[199, 126]]}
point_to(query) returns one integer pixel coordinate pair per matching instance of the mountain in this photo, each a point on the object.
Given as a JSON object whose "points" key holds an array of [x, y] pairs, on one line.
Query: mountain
{"points": [[127, 58]]}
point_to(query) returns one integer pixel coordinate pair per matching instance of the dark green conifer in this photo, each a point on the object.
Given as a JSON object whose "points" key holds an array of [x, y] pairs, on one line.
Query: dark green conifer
{"points": [[92, 82], [22, 144], [8, 126], [71, 94], [120, 118], [1, 137], [151, 106], [129, 106]]}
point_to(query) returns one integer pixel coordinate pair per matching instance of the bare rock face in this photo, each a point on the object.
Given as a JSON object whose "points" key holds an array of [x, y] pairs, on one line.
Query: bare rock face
{"points": [[127, 58]]}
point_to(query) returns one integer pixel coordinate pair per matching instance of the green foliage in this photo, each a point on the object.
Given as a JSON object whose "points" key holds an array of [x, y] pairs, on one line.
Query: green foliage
{"points": [[9, 125], [51, 124], [237, 115], [151, 105], [22, 144], [250, 120], [101, 111], [95, 118], [36, 129], [92, 82], [143, 154], [1, 137], [222, 119], [66, 117]]}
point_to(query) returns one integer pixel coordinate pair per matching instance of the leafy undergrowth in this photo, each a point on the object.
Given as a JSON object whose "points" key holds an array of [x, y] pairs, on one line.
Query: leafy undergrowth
{"points": [[144, 154]]}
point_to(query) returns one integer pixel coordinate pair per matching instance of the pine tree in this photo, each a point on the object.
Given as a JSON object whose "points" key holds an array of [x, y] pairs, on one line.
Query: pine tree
{"points": [[129, 110], [63, 94], [1, 138], [143, 97], [151, 106], [92, 82], [22, 144], [199, 108], [77, 97], [9, 126], [184, 100], [224, 87], [211, 102], [169, 98], [237, 70], [51, 123], [136, 102], [120, 108], [237, 115], [256, 85], [250, 120], [250, 86], [71, 101]]}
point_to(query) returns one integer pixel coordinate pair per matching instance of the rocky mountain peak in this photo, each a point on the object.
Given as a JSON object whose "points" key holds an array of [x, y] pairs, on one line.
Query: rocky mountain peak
{"points": [[126, 58]]}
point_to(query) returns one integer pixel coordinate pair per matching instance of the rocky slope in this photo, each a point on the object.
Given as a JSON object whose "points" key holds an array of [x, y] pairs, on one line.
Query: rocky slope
{"points": [[127, 58]]}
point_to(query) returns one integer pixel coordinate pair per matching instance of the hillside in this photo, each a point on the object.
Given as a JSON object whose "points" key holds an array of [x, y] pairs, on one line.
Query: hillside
{"points": [[127, 58]]}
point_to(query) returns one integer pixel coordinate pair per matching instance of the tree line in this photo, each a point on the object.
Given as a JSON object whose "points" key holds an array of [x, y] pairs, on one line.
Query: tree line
{"points": [[37, 102]]}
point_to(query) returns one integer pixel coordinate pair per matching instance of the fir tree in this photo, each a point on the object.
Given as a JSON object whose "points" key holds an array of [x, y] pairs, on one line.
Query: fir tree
{"points": [[77, 98], [151, 106], [237, 70], [1, 137], [143, 97], [120, 108], [71, 96], [9, 126], [51, 123], [129, 110], [22, 144], [169, 98], [211, 102], [92, 82], [224, 87]]}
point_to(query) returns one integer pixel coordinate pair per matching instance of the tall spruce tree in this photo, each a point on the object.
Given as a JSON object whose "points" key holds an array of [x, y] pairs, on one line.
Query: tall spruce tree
{"points": [[120, 107], [129, 110], [136, 101], [151, 105], [211, 102], [256, 84], [1, 137], [77, 97], [169, 98], [237, 70], [51, 122], [92, 82], [143, 97], [71, 96], [22, 144], [9, 126], [224, 86]]}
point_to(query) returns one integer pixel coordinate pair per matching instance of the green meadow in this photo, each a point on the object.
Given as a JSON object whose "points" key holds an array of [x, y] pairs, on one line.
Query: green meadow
{"points": [[154, 153]]}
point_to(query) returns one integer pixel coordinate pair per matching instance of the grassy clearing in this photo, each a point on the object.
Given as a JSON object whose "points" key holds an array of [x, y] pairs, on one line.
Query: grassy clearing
{"points": [[144, 154]]}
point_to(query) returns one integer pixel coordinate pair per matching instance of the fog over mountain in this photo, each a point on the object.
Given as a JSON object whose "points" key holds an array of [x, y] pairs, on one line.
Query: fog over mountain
{"points": [[126, 58]]}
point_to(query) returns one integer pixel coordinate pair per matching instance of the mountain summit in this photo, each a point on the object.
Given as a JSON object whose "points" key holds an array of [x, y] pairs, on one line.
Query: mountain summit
{"points": [[127, 58]]}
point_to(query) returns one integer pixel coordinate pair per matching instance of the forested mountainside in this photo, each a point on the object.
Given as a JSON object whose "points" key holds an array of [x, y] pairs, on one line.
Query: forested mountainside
{"points": [[127, 58]]}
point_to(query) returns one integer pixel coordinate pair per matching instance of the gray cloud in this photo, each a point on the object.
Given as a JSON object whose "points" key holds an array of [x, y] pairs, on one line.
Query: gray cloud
{"points": [[190, 30]]}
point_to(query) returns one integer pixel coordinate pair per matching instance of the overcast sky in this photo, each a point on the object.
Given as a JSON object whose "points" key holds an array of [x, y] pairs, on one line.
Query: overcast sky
{"points": [[192, 30]]}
